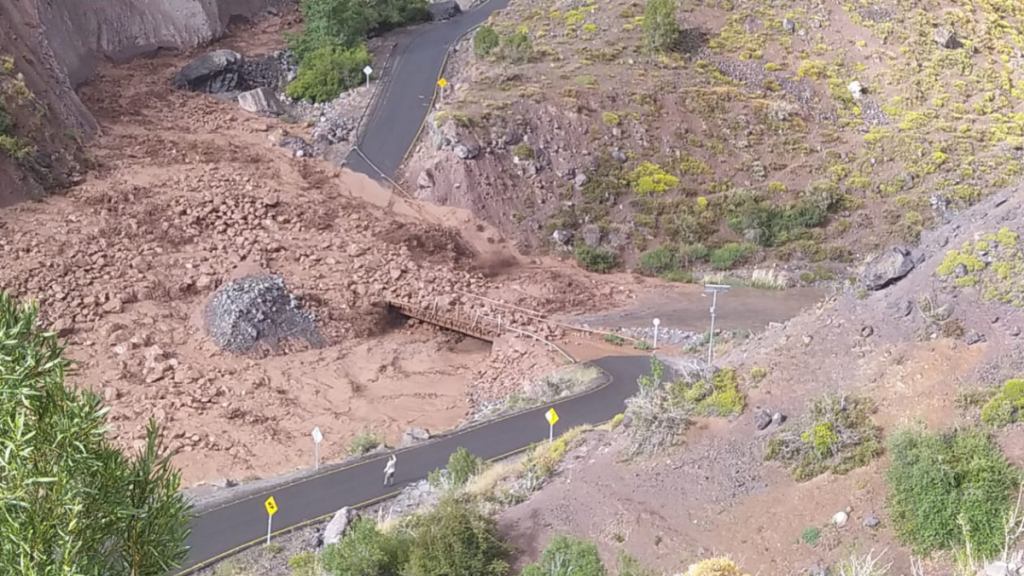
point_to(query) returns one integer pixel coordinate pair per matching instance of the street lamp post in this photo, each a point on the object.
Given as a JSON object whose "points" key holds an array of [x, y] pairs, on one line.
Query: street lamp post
{"points": [[713, 289]]}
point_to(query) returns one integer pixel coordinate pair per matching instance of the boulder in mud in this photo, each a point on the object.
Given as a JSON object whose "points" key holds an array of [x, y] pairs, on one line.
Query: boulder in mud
{"points": [[261, 101], [215, 72], [887, 268]]}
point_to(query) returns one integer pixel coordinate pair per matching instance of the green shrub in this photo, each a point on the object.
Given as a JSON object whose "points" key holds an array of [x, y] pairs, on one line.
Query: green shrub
{"points": [[650, 179], [836, 436], [660, 260], [363, 442], [614, 339], [758, 373], [690, 254], [718, 397], [811, 535], [1007, 406], [327, 72], [456, 539], [768, 224], [730, 255], [6, 121], [366, 551], [596, 259], [947, 490], [681, 276], [523, 151], [661, 29], [567, 556], [485, 41], [462, 465], [305, 564], [517, 48]]}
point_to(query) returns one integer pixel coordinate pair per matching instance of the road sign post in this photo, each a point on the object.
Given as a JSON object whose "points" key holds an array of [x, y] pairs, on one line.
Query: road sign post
{"points": [[442, 83], [318, 437], [552, 417], [657, 323], [271, 507], [367, 71]]}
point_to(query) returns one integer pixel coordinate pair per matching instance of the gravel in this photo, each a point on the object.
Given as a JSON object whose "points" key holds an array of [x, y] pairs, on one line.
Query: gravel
{"points": [[258, 310], [272, 70], [666, 336]]}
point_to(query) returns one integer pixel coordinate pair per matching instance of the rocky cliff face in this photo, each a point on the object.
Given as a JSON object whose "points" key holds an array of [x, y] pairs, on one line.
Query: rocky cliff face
{"points": [[52, 46]]}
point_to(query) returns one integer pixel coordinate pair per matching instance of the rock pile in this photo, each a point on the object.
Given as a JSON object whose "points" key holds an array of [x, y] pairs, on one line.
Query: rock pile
{"points": [[255, 310], [271, 71], [215, 72]]}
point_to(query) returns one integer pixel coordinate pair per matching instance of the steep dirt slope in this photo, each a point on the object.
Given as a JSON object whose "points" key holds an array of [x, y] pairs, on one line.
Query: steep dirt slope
{"points": [[49, 48]]}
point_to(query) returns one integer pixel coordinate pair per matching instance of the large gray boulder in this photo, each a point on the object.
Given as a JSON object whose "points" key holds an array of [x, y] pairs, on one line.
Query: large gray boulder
{"points": [[444, 10], [887, 268], [261, 101], [214, 73], [339, 523]]}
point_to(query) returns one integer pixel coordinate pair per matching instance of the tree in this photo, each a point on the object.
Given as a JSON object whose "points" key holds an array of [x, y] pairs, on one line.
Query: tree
{"points": [[71, 504], [366, 551], [456, 539], [661, 30], [567, 556]]}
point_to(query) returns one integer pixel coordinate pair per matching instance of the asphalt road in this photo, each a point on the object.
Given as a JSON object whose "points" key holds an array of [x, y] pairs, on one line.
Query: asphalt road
{"points": [[244, 522], [406, 90]]}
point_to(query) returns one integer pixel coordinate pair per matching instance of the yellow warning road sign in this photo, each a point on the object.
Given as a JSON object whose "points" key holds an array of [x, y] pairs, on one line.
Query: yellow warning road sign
{"points": [[552, 416], [442, 82], [271, 505]]}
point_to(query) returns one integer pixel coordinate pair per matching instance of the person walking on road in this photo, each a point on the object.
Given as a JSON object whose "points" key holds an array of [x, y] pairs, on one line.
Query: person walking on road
{"points": [[389, 470]]}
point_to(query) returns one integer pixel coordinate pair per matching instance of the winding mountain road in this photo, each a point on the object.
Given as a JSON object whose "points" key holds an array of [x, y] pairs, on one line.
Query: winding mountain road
{"points": [[221, 531], [406, 91]]}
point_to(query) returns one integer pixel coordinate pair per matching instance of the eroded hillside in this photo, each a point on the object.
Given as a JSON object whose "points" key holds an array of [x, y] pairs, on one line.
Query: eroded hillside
{"points": [[805, 132]]}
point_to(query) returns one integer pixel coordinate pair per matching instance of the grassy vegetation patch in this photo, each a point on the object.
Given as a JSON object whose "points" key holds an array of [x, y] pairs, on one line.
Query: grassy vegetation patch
{"points": [[662, 410], [596, 259], [365, 441], [949, 490], [1006, 406], [993, 265], [837, 436]]}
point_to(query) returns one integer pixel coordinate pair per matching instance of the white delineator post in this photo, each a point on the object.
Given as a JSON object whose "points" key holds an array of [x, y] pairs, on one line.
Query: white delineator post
{"points": [[367, 71], [657, 322], [318, 437]]}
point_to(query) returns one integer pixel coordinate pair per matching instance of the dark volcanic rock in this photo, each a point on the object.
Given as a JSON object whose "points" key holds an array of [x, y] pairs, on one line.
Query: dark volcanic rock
{"points": [[214, 73], [887, 268]]}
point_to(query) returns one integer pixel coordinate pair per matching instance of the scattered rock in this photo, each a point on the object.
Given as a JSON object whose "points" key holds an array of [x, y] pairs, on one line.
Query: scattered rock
{"points": [[762, 419], [465, 152], [887, 268], [257, 309], [63, 327], [225, 483], [946, 38], [339, 523], [974, 338], [1002, 569], [820, 568], [215, 72], [619, 156], [871, 521], [904, 308], [789, 25], [840, 518], [866, 331], [444, 10], [563, 237], [960, 271], [299, 147], [110, 394], [316, 538], [591, 234], [778, 419], [414, 436], [261, 101], [1015, 331], [580, 180], [856, 90], [425, 180]]}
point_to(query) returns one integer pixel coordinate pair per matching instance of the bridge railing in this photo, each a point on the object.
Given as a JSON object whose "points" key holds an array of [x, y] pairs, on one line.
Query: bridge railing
{"points": [[474, 324]]}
